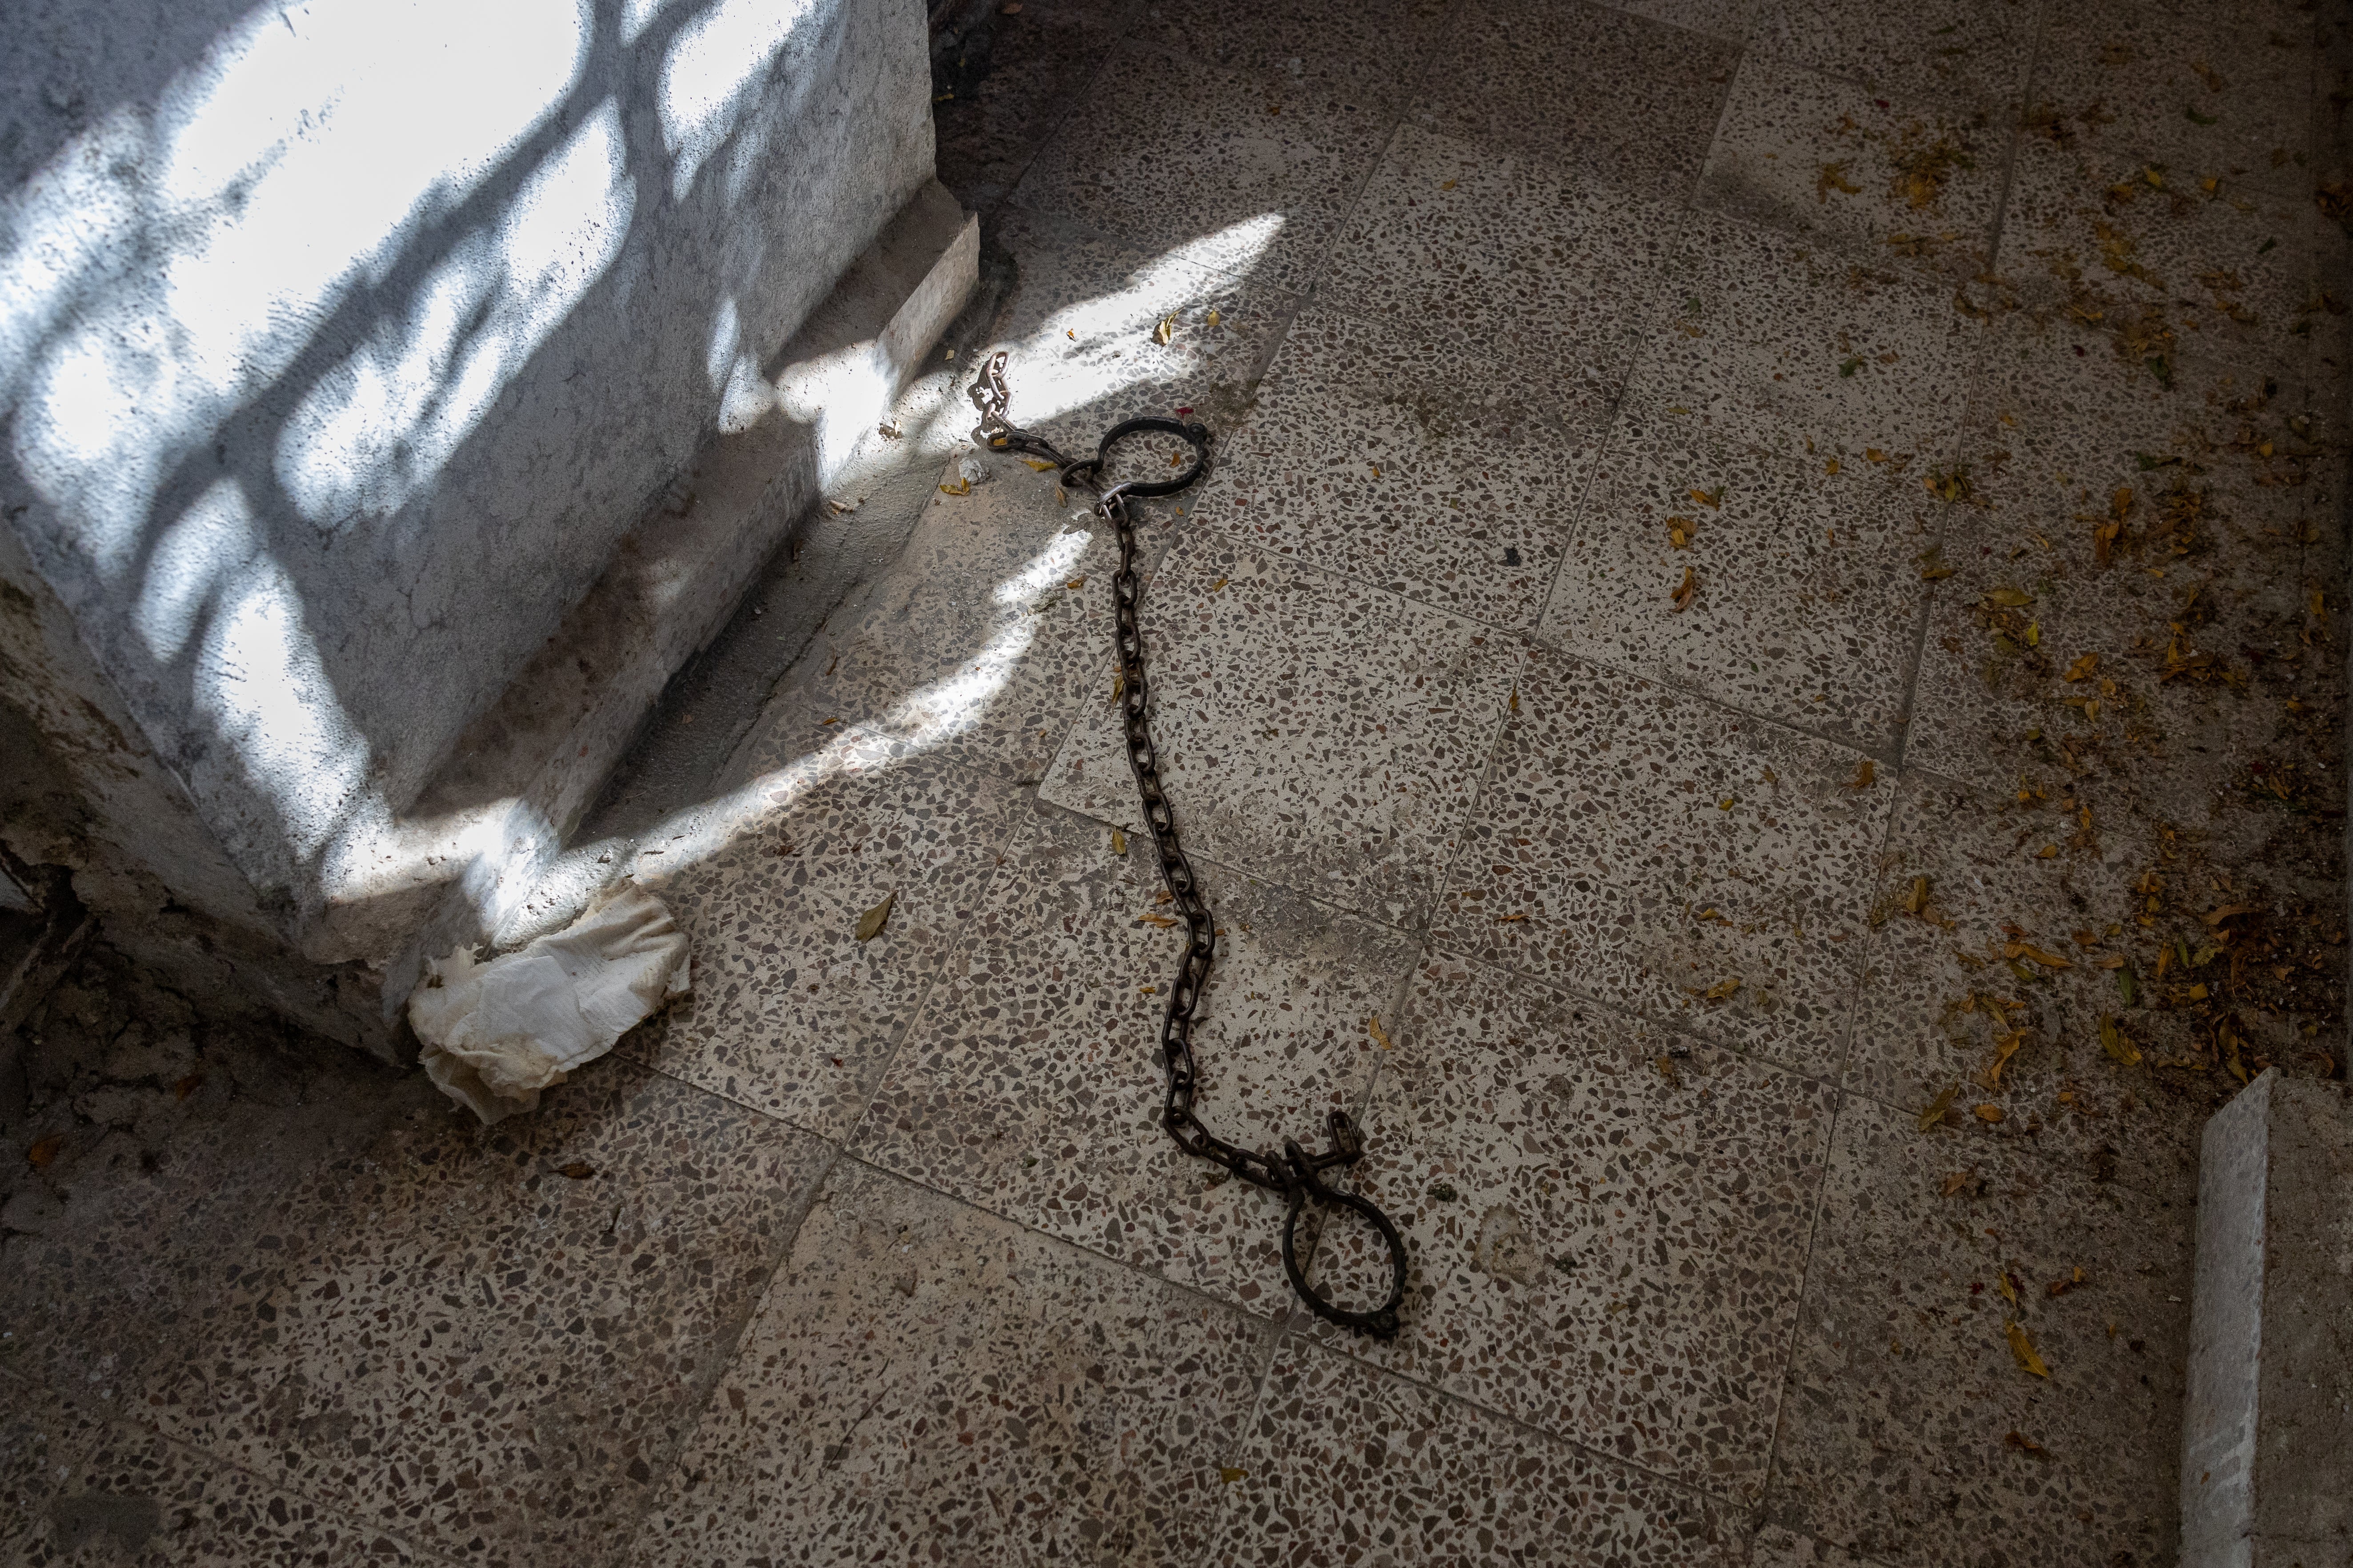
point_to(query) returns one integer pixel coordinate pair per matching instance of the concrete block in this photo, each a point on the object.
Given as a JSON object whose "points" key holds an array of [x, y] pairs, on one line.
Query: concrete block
{"points": [[2267, 1431], [528, 768]]}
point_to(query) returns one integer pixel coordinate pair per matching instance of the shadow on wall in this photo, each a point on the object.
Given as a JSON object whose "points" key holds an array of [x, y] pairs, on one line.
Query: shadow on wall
{"points": [[341, 343]]}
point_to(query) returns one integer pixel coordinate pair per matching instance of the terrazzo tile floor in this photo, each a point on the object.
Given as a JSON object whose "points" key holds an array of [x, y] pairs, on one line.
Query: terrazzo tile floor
{"points": [[1757, 690]]}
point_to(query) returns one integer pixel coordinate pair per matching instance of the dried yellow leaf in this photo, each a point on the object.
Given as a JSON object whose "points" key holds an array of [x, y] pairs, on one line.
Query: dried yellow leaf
{"points": [[1118, 842], [2023, 1349], [2012, 597], [1935, 1112], [1039, 463], [1380, 1035], [1687, 590], [2083, 667], [871, 924], [2113, 1041], [1164, 330], [1680, 531], [1988, 1113], [1916, 900], [1864, 774], [1214, 317], [961, 488], [1723, 990], [2004, 1047]]}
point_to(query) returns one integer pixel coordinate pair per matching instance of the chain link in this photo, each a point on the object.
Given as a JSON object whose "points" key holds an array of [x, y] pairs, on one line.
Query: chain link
{"points": [[1295, 1174]]}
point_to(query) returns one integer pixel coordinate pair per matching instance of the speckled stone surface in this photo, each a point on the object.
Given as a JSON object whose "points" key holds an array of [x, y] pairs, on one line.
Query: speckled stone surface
{"points": [[1163, 157], [927, 1384], [790, 1012], [1910, 182], [1284, 741], [1367, 44], [2202, 93], [1975, 52], [1416, 466], [1912, 1433], [2060, 973], [1032, 1083], [1650, 849], [1081, 324], [1783, 342], [452, 1337], [1779, 748], [2233, 272], [79, 1492], [1597, 1210], [1614, 92], [980, 645], [2101, 503], [1807, 599], [1345, 1465], [1455, 241]]}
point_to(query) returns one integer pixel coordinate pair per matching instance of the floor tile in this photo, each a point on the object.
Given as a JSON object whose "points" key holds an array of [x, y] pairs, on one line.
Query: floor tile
{"points": [[90, 1493], [1166, 158], [1031, 1084], [1012, 93], [2231, 274], [1975, 52], [1654, 851], [490, 1340], [2200, 93], [1780, 1547], [1774, 340], [106, 1287], [1613, 96], [41, 1440], [1910, 183], [2036, 972], [1328, 735], [1081, 324], [2101, 507], [791, 1013], [928, 1384], [1607, 1222], [978, 645], [1345, 1465], [1424, 468], [1726, 21], [1807, 596], [1455, 241], [1373, 44], [1913, 1433]]}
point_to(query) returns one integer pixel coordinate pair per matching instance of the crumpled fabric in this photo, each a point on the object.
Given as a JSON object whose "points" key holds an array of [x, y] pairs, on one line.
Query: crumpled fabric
{"points": [[496, 1034]]}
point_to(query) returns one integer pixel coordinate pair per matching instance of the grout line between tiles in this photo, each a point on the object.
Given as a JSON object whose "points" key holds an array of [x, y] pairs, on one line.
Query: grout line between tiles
{"points": [[1600, 1456]]}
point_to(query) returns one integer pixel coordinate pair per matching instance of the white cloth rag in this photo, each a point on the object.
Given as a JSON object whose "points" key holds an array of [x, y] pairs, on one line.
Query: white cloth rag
{"points": [[496, 1034]]}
